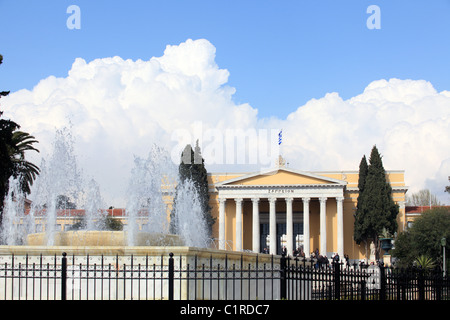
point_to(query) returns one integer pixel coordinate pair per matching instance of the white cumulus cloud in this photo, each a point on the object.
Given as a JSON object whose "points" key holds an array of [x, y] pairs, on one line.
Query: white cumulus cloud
{"points": [[407, 119], [118, 108]]}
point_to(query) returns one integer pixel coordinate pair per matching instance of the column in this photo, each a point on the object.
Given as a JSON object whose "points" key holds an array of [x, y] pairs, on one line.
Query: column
{"points": [[289, 226], [340, 227], [272, 226], [222, 202], [323, 226], [306, 242], [238, 240], [255, 226]]}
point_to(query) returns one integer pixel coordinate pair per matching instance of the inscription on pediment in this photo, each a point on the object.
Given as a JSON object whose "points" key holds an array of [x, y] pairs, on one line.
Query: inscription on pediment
{"points": [[281, 191]]}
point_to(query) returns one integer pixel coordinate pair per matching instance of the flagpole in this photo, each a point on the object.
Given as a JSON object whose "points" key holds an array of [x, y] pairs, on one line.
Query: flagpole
{"points": [[280, 141]]}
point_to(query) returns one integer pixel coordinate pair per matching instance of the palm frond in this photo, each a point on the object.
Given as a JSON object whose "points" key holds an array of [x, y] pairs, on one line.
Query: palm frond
{"points": [[27, 171], [24, 142], [425, 262]]}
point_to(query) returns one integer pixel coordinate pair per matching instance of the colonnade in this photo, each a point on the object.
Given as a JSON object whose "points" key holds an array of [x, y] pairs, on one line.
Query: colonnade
{"points": [[238, 241]]}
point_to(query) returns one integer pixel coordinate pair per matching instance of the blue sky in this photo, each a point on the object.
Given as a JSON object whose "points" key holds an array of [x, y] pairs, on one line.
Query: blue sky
{"points": [[280, 54]]}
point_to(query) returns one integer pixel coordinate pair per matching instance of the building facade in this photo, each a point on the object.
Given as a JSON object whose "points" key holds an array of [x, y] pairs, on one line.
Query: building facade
{"points": [[286, 208], [279, 208]]}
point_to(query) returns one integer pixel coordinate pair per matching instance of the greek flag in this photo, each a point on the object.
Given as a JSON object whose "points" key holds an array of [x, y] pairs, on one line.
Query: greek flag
{"points": [[280, 136]]}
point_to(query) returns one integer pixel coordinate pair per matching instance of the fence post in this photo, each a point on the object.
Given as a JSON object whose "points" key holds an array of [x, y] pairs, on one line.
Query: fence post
{"points": [[438, 284], [283, 279], [337, 281], [363, 290], [383, 271], [64, 276], [421, 284], [171, 271]]}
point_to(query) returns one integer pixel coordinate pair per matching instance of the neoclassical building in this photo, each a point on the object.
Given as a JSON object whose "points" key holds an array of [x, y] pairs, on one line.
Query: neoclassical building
{"points": [[280, 207], [285, 207]]}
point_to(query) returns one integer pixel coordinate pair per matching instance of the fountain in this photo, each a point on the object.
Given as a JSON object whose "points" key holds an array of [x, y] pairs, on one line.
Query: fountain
{"points": [[14, 219], [60, 188], [34, 237]]}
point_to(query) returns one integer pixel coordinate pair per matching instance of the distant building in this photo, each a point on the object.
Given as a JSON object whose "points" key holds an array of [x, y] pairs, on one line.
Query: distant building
{"points": [[65, 218], [413, 212]]}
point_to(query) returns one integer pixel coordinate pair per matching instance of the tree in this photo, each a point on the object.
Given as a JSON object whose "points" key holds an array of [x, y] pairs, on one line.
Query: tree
{"points": [[376, 209], [106, 222], [447, 188], [13, 145], [3, 93], [359, 229], [422, 198], [424, 237], [192, 166], [22, 142], [63, 202], [7, 128]]}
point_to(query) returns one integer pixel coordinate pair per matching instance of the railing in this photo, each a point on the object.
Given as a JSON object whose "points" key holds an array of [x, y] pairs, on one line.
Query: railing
{"points": [[310, 281], [137, 277], [194, 278], [31, 278]]}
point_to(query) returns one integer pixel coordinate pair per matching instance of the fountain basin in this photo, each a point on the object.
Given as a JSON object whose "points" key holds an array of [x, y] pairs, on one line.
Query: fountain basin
{"points": [[103, 238]]}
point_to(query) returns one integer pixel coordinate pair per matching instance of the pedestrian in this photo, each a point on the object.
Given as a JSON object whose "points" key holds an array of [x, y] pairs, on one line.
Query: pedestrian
{"points": [[336, 258], [347, 260]]}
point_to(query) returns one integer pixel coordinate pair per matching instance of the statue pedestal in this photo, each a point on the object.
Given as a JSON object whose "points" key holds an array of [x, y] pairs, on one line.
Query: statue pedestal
{"points": [[387, 260]]}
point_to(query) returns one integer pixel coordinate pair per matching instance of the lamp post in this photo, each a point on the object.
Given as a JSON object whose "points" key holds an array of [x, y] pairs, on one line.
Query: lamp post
{"points": [[443, 243]]}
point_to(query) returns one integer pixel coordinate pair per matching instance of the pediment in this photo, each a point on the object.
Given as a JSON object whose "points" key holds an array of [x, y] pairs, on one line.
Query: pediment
{"points": [[281, 176]]}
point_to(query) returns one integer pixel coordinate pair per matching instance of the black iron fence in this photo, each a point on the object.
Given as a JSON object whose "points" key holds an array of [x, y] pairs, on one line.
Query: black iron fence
{"points": [[208, 278], [337, 281]]}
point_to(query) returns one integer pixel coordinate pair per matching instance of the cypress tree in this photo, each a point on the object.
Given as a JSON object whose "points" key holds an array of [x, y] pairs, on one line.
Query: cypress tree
{"points": [[376, 209], [358, 233], [192, 166]]}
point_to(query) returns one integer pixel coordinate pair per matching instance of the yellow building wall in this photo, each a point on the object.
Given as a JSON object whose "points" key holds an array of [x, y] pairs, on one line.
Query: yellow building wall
{"points": [[280, 178], [314, 225]]}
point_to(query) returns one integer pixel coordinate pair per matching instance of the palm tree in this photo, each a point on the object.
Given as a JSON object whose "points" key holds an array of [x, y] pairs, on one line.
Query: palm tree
{"points": [[13, 145], [20, 143], [425, 262], [7, 127]]}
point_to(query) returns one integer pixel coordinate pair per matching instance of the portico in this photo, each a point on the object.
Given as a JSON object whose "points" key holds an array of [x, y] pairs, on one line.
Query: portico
{"points": [[283, 207]]}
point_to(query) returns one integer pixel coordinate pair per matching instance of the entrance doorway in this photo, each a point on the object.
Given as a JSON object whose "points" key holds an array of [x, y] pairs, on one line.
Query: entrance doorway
{"points": [[281, 235]]}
